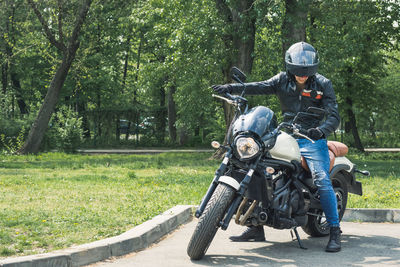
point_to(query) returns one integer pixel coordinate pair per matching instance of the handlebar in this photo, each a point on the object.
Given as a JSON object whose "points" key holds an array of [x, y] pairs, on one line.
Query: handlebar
{"points": [[232, 99], [297, 132], [229, 101], [293, 127], [237, 101]]}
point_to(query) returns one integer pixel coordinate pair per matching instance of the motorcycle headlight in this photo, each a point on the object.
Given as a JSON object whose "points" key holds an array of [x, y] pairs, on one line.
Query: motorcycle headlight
{"points": [[246, 147]]}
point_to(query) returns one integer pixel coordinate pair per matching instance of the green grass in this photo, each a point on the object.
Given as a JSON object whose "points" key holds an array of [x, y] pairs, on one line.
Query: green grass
{"points": [[55, 200], [382, 188]]}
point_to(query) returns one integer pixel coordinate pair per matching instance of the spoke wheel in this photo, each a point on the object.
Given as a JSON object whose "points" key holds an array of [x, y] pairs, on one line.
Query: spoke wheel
{"points": [[209, 221], [317, 225]]}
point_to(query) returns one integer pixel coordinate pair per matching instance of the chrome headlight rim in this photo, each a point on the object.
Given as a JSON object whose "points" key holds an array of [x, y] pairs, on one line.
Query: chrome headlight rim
{"points": [[252, 144]]}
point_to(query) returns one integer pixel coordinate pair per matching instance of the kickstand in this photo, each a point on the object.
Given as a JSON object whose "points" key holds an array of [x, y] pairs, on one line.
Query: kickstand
{"points": [[297, 237]]}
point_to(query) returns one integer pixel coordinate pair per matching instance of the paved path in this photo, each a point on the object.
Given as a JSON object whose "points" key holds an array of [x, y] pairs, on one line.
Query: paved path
{"points": [[363, 244], [382, 149]]}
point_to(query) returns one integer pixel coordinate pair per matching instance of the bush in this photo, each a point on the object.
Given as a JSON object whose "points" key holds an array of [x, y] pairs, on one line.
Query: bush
{"points": [[65, 132], [13, 133], [12, 144]]}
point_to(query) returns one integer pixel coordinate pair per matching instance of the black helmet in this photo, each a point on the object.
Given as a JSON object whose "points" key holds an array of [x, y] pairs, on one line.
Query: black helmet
{"points": [[301, 59]]}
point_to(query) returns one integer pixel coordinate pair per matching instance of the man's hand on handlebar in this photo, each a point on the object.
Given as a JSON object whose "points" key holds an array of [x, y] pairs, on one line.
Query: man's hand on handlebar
{"points": [[222, 89], [315, 133]]}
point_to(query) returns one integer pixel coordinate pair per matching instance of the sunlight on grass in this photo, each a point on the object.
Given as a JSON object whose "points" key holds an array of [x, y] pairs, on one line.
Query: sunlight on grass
{"points": [[382, 188], [54, 200]]}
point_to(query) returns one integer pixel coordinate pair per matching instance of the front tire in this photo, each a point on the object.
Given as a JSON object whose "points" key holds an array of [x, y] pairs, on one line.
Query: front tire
{"points": [[317, 225], [209, 221]]}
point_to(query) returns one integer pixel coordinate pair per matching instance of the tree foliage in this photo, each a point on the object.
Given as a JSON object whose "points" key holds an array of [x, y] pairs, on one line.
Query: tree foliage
{"points": [[151, 63]]}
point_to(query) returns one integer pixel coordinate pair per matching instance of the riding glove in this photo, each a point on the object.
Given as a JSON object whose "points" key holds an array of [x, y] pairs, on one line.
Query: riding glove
{"points": [[222, 89], [315, 133]]}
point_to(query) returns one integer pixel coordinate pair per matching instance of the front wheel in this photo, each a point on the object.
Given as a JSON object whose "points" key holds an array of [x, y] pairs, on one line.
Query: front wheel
{"points": [[209, 221], [317, 225]]}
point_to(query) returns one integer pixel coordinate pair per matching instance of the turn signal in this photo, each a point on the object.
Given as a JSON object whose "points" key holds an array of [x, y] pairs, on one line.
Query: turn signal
{"points": [[215, 144]]}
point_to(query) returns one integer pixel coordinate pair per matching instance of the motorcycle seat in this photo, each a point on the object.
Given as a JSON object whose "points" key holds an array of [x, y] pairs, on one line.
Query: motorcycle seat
{"points": [[336, 149]]}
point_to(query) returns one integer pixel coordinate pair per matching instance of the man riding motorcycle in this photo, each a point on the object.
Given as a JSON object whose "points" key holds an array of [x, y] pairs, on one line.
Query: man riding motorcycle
{"points": [[299, 88]]}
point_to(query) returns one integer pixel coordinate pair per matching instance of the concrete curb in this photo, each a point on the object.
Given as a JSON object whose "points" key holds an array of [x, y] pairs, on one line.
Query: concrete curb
{"points": [[149, 232], [372, 215], [133, 240]]}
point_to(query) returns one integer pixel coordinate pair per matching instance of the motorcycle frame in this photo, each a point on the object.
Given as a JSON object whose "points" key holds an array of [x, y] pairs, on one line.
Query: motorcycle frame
{"points": [[296, 170]]}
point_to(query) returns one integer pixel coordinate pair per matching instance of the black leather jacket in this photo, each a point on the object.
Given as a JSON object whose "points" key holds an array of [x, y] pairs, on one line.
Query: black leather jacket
{"points": [[317, 93]]}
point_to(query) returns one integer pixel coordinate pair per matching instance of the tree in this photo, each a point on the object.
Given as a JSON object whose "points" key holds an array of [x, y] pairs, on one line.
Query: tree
{"points": [[295, 22], [12, 11], [240, 19], [154, 61], [68, 51], [351, 42]]}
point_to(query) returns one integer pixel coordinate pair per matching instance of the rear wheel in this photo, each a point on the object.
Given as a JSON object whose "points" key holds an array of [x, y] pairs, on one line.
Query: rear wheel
{"points": [[209, 221], [317, 225]]}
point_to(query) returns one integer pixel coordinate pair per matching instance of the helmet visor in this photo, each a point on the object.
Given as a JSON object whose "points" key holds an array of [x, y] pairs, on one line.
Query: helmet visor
{"points": [[302, 58]]}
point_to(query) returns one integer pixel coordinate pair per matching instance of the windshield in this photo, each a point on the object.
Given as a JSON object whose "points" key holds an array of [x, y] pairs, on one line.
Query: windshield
{"points": [[259, 120]]}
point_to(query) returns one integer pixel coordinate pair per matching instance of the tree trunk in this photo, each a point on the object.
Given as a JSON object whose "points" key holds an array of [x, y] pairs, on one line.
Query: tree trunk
{"points": [[6, 59], [128, 131], [172, 114], [9, 44], [244, 22], [117, 128], [160, 117], [125, 73], [41, 122], [23, 108], [85, 122], [138, 66], [4, 82], [295, 22], [241, 17], [39, 127], [353, 125]]}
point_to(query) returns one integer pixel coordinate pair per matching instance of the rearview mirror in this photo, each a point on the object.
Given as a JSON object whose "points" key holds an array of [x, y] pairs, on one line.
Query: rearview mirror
{"points": [[288, 116], [317, 111], [238, 75]]}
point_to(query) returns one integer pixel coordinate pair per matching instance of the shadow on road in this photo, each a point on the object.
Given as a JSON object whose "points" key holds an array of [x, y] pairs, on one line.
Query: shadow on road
{"points": [[356, 251]]}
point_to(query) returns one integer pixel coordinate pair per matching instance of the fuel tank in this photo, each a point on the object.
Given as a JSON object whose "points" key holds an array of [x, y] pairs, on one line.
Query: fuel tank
{"points": [[286, 148]]}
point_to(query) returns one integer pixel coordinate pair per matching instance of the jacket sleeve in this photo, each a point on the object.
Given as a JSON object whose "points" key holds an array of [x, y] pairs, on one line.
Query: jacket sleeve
{"points": [[331, 107], [258, 88]]}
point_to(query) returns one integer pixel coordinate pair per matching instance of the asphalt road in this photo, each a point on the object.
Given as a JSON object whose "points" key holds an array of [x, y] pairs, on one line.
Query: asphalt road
{"points": [[363, 244]]}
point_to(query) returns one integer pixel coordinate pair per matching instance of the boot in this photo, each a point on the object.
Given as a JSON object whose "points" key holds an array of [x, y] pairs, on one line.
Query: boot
{"points": [[252, 233], [334, 240]]}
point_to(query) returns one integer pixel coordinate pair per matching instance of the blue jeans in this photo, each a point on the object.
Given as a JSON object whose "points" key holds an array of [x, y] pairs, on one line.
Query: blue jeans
{"points": [[317, 157]]}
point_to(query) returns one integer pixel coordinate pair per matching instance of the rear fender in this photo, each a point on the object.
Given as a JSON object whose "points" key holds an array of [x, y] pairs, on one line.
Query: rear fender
{"points": [[346, 168]]}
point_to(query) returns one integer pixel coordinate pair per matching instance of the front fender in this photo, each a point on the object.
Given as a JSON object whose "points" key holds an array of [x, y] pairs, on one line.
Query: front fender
{"points": [[229, 181]]}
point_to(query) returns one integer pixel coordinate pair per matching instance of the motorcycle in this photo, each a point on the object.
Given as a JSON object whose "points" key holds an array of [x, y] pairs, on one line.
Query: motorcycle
{"points": [[263, 180]]}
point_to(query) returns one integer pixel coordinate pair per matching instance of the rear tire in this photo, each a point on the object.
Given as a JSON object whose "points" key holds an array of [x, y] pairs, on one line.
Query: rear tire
{"points": [[209, 221], [317, 225]]}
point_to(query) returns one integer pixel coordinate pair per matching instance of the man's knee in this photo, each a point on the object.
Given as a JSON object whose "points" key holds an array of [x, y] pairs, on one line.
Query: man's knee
{"points": [[322, 181]]}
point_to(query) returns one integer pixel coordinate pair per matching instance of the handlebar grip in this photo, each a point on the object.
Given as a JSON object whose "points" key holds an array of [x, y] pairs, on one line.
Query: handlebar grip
{"points": [[228, 95], [302, 131]]}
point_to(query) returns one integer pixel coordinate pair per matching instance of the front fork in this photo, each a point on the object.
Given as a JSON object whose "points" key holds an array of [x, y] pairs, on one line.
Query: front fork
{"points": [[220, 171], [239, 194]]}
